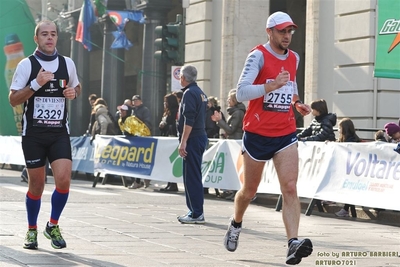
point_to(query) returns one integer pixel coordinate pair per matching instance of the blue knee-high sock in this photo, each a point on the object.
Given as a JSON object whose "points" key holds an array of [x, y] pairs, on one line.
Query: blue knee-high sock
{"points": [[58, 201], [32, 204]]}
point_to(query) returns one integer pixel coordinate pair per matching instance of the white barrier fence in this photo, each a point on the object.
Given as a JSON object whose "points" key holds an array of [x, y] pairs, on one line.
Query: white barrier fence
{"points": [[365, 174]]}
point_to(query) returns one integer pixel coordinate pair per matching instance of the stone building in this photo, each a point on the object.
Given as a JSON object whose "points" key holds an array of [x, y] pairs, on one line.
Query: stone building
{"points": [[336, 41]]}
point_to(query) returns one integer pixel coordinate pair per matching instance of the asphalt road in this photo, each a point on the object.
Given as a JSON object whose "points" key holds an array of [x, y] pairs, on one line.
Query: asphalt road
{"points": [[110, 225]]}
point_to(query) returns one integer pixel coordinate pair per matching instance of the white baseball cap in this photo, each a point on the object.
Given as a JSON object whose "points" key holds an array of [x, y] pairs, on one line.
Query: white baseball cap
{"points": [[123, 107], [279, 20]]}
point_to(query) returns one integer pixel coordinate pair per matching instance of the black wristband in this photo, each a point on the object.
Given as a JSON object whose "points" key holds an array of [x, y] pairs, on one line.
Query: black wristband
{"points": [[297, 101]]}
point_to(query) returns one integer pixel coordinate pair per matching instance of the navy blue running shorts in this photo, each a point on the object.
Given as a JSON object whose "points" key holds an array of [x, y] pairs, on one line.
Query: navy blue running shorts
{"points": [[52, 146], [263, 148]]}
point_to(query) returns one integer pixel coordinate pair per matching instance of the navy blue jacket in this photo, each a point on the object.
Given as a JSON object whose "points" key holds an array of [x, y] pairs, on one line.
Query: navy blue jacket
{"points": [[192, 110]]}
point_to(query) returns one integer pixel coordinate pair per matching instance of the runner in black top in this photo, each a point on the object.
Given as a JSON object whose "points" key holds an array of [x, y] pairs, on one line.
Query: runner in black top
{"points": [[43, 82]]}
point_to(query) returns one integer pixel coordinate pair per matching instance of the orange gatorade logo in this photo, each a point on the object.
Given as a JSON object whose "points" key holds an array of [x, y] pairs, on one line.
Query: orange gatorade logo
{"points": [[391, 26]]}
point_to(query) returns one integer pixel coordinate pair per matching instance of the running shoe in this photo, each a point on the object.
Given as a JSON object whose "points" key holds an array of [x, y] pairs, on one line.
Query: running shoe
{"points": [[53, 233], [188, 219], [297, 250], [231, 239], [31, 239]]}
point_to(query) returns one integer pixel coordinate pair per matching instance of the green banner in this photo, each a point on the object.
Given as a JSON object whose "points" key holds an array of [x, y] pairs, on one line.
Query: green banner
{"points": [[387, 61], [16, 33]]}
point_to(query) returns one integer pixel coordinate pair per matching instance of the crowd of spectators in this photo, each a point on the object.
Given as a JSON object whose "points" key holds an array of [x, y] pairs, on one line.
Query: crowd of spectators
{"points": [[133, 118]]}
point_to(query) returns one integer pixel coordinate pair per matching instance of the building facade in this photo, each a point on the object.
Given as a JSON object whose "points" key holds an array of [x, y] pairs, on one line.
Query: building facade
{"points": [[336, 41], [338, 52]]}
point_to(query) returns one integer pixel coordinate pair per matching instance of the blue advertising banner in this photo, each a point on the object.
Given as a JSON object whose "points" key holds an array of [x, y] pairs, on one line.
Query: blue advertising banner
{"points": [[121, 155], [82, 154]]}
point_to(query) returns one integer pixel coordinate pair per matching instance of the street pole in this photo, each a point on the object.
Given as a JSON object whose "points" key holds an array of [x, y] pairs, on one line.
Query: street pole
{"points": [[112, 82], [153, 79]]}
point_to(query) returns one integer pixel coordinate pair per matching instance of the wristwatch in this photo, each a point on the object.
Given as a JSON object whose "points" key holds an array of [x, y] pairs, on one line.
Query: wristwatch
{"points": [[297, 101]]}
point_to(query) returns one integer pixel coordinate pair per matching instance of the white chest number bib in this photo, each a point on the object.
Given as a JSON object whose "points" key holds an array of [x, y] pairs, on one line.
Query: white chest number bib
{"points": [[48, 111], [280, 99]]}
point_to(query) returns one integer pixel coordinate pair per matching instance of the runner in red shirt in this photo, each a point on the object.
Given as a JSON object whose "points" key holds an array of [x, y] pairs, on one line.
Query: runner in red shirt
{"points": [[268, 82]]}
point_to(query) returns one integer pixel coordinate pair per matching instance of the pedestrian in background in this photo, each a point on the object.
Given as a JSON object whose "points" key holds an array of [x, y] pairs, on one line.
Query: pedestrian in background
{"points": [[321, 127], [130, 125], [117, 116], [92, 98], [381, 136], [192, 143], [212, 129], [40, 80], [167, 127], [102, 117], [347, 133], [393, 131], [128, 102], [179, 95], [234, 124], [142, 113], [268, 82], [232, 127], [104, 123]]}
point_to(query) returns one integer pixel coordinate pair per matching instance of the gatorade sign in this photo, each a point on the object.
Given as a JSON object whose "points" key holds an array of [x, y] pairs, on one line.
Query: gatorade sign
{"points": [[16, 36], [387, 61], [392, 26]]}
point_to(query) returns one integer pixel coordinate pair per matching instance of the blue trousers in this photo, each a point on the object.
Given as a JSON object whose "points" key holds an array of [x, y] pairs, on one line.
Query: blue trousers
{"points": [[192, 177]]}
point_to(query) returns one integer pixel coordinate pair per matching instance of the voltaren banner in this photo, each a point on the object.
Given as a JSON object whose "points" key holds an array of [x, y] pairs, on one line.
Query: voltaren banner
{"points": [[387, 54], [365, 174]]}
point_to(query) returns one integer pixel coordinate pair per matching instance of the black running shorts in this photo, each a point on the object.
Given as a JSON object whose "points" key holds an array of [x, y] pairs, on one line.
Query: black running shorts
{"points": [[52, 146], [263, 148]]}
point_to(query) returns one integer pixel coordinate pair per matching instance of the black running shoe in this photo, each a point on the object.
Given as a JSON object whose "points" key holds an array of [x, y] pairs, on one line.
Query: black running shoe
{"points": [[53, 233], [297, 250]]}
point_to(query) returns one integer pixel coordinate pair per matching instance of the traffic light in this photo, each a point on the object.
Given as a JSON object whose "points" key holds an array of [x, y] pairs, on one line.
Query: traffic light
{"points": [[160, 43], [170, 43]]}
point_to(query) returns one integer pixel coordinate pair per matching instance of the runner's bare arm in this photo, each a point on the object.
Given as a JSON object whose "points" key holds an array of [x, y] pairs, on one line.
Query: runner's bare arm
{"points": [[17, 97], [72, 93], [303, 109], [279, 81]]}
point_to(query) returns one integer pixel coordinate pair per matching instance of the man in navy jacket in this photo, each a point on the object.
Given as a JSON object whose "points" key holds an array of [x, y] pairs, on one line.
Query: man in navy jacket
{"points": [[192, 143]]}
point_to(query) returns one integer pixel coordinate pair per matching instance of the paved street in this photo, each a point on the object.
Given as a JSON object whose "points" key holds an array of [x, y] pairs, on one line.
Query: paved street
{"points": [[112, 226]]}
